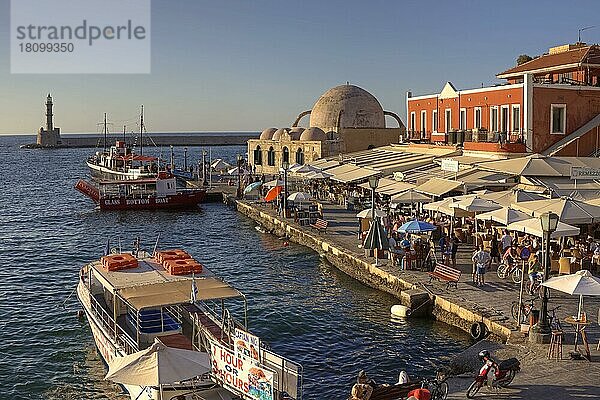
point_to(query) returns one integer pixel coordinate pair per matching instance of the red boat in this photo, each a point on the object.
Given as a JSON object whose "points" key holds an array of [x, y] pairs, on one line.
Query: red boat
{"points": [[141, 194]]}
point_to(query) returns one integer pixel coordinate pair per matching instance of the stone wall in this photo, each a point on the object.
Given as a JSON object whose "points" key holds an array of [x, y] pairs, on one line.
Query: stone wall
{"points": [[370, 275]]}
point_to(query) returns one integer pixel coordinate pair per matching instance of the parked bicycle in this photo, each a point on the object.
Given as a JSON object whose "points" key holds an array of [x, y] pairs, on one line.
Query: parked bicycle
{"points": [[505, 270], [526, 308], [438, 386]]}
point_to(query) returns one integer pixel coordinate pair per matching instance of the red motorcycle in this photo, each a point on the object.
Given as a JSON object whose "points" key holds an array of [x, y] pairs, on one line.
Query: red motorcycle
{"points": [[504, 373]]}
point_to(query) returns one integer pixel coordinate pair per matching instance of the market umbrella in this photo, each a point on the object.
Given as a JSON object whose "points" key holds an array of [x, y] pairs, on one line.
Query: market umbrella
{"points": [[158, 365], [306, 168], [416, 226], [220, 165], [294, 167], [533, 226], [299, 197], [504, 216], [368, 213], [376, 238], [475, 204], [273, 183], [581, 283], [318, 175], [273, 193], [252, 186], [568, 210], [410, 196]]}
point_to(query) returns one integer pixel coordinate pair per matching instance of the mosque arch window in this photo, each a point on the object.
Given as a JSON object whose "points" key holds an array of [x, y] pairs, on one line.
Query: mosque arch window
{"points": [[286, 155], [300, 156], [257, 156], [271, 157]]}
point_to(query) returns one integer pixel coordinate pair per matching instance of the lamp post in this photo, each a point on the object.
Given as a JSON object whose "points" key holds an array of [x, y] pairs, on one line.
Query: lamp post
{"points": [[239, 175], [373, 183], [285, 165], [204, 167], [542, 330]]}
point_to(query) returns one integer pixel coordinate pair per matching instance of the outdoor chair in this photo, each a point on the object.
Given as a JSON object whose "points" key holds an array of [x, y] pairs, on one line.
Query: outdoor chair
{"points": [[564, 265]]}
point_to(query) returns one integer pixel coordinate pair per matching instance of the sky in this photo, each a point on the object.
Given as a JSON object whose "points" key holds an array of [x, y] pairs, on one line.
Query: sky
{"points": [[248, 65]]}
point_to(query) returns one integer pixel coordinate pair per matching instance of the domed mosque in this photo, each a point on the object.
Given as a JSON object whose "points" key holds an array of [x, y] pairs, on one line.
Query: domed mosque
{"points": [[344, 119]]}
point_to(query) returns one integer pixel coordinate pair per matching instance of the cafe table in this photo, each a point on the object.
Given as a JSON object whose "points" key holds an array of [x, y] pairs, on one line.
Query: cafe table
{"points": [[580, 331]]}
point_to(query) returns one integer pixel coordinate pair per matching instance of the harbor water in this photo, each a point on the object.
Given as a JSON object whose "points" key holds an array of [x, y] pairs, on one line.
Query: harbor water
{"points": [[302, 306]]}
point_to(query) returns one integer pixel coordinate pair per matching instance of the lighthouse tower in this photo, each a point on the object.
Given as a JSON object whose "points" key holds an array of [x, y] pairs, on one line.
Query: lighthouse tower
{"points": [[49, 137]]}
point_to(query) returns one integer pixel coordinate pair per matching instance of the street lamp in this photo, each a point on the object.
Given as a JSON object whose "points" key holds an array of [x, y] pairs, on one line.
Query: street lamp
{"points": [[204, 154], [549, 222], [239, 175], [285, 165]]}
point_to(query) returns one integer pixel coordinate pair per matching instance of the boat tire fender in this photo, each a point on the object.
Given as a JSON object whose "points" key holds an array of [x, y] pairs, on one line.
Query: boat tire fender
{"points": [[479, 331]]}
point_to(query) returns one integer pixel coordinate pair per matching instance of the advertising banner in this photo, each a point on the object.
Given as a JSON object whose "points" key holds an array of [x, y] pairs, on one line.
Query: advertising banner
{"points": [[246, 345], [449, 165], [242, 376], [585, 173]]}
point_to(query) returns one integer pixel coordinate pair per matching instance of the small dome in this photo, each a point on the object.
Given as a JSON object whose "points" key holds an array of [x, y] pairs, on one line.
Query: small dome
{"points": [[267, 134], [296, 132], [279, 132], [313, 134]]}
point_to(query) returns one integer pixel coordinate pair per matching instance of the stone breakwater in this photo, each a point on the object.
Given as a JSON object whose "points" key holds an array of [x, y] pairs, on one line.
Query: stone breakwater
{"points": [[411, 294]]}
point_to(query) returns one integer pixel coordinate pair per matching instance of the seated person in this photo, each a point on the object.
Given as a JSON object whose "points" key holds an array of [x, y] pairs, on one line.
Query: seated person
{"points": [[363, 388]]}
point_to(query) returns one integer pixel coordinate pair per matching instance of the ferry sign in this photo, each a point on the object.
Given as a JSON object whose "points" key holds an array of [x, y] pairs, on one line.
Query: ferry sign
{"points": [[246, 345], [585, 173], [243, 376]]}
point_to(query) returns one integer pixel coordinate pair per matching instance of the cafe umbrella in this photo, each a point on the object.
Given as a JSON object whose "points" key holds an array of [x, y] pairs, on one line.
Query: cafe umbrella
{"points": [[252, 186], [376, 238], [416, 226], [581, 283]]}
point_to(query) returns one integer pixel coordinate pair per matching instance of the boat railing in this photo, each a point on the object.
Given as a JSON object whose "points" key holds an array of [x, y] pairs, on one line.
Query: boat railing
{"points": [[117, 333], [288, 375]]}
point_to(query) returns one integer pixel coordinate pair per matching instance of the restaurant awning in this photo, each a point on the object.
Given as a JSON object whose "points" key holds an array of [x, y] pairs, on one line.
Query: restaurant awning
{"points": [[176, 292], [533, 226], [355, 175], [438, 186], [504, 216], [569, 211]]}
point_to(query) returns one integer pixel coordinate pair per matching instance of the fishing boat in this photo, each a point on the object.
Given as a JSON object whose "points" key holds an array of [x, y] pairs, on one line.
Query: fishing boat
{"points": [[120, 162], [159, 192], [133, 299]]}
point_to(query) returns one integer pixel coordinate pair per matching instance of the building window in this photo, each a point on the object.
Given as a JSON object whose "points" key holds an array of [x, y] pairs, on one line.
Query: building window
{"points": [[463, 119], [494, 119], [412, 122], [477, 118], [448, 120], [286, 155], [257, 156], [271, 157], [299, 157], [558, 120], [434, 120], [516, 118], [423, 123], [504, 119]]}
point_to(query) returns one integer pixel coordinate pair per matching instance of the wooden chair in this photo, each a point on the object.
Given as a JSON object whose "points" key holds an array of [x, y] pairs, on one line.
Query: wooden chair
{"points": [[564, 266], [554, 266], [555, 350]]}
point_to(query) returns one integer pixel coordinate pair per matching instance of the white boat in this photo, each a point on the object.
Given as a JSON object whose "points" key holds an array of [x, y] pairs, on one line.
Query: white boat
{"points": [[130, 299]]}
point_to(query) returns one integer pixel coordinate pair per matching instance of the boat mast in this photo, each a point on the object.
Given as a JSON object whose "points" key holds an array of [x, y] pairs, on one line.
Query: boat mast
{"points": [[105, 131], [124, 126], [142, 131]]}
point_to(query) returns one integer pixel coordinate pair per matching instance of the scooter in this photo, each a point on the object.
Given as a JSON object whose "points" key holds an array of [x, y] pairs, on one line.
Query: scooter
{"points": [[504, 373]]}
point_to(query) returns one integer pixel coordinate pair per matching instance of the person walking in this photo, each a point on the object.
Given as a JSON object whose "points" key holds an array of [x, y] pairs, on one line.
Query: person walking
{"points": [[494, 250], [481, 261], [506, 241]]}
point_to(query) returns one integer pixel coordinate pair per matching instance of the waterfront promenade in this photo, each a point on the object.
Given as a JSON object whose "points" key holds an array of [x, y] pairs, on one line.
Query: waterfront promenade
{"points": [[539, 378]]}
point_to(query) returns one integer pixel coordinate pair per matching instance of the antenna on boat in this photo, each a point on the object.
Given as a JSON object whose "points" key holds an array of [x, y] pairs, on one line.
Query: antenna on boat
{"points": [[156, 244], [105, 131], [124, 127]]}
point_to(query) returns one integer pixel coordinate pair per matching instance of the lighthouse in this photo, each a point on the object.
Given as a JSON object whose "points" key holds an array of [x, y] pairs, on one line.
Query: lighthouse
{"points": [[49, 137]]}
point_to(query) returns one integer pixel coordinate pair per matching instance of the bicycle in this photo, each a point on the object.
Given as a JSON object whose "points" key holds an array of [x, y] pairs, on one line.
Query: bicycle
{"points": [[525, 309], [438, 386], [504, 270]]}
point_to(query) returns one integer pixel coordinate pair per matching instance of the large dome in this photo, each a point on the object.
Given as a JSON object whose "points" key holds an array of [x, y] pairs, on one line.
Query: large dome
{"points": [[279, 132], [267, 134], [354, 106], [313, 134]]}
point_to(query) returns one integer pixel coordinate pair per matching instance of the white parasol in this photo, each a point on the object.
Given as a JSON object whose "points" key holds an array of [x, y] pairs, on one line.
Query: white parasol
{"points": [[581, 283]]}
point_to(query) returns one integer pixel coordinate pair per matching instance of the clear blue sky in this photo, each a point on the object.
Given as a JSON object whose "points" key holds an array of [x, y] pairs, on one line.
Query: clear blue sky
{"points": [[248, 65]]}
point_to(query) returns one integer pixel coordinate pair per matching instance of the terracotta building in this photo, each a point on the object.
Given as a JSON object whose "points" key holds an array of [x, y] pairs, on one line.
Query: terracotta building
{"points": [[549, 105], [344, 119]]}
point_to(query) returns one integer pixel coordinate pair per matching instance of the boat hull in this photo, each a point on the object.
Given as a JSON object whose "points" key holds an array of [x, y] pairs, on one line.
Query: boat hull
{"points": [[99, 172], [176, 201]]}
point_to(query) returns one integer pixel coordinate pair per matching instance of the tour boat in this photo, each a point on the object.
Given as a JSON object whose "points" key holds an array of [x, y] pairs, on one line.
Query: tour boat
{"points": [[159, 192], [120, 162], [133, 299]]}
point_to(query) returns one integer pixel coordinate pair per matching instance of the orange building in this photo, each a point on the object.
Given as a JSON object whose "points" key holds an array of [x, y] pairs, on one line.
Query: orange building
{"points": [[549, 105]]}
